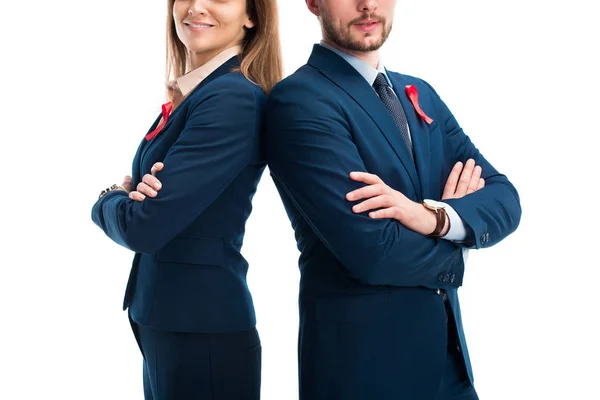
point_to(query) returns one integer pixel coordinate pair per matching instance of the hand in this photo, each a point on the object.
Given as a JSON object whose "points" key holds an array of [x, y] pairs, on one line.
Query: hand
{"points": [[127, 184], [463, 181], [149, 186], [392, 204]]}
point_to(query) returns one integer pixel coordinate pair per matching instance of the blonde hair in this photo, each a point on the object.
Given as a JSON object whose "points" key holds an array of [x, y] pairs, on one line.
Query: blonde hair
{"points": [[261, 60]]}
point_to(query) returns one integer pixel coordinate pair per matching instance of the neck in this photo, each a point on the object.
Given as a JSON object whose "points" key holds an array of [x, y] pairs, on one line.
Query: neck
{"points": [[198, 59], [370, 57]]}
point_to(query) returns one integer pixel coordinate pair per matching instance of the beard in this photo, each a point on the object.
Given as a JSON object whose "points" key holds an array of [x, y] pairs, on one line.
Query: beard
{"points": [[343, 37]]}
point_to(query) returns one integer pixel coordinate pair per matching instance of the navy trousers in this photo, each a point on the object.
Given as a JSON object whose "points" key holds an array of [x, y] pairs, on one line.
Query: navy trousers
{"points": [[455, 384], [198, 366]]}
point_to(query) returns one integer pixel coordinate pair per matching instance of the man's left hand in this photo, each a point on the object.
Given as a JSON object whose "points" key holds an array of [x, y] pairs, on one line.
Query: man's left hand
{"points": [[390, 204]]}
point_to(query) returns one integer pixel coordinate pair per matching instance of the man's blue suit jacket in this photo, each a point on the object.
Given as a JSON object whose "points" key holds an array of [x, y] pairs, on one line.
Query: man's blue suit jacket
{"points": [[371, 327], [188, 274]]}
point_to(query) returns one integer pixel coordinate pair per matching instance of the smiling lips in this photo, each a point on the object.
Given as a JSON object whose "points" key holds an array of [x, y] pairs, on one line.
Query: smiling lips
{"points": [[367, 25], [197, 26]]}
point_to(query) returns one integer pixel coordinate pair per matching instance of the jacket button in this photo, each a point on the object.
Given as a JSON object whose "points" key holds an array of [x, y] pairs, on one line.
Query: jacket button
{"points": [[452, 278], [441, 277], [446, 278]]}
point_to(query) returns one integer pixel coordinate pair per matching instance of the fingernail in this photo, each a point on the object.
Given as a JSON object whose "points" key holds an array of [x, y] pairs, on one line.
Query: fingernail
{"points": [[350, 196], [157, 186]]}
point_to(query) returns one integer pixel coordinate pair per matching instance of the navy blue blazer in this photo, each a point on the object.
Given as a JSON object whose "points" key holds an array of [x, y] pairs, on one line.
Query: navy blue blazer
{"points": [[188, 274], [371, 327]]}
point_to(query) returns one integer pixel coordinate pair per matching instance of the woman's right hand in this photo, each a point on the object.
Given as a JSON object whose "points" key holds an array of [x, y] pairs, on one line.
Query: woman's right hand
{"points": [[149, 186]]}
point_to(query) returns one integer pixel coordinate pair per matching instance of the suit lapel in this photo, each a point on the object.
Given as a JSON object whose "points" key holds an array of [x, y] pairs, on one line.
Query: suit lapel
{"points": [[149, 143], [347, 78], [419, 133], [137, 160]]}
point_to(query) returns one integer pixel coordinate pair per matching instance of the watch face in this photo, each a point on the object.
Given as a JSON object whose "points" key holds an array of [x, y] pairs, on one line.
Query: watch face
{"points": [[434, 204]]}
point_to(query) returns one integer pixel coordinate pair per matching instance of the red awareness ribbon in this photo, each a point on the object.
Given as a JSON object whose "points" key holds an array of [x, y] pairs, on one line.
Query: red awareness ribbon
{"points": [[166, 111], [413, 95]]}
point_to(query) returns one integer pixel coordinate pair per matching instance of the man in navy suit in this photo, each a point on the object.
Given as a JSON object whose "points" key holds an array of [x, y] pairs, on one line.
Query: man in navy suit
{"points": [[385, 193]]}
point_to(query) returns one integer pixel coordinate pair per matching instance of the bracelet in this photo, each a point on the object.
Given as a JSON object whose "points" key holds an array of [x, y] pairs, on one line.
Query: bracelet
{"points": [[110, 189]]}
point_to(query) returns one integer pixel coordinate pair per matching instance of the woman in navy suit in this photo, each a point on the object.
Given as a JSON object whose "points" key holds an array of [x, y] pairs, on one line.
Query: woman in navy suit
{"points": [[184, 208]]}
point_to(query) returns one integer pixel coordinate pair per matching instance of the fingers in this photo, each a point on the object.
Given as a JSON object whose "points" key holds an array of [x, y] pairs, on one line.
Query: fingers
{"points": [[369, 179], [146, 189], [390, 212], [156, 167], [452, 181], [475, 180], [127, 183], [152, 182], [465, 179], [377, 187], [367, 192], [374, 203], [137, 196]]}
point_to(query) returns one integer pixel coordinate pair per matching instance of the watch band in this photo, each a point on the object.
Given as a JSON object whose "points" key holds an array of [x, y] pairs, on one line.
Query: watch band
{"points": [[110, 189], [440, 218]]}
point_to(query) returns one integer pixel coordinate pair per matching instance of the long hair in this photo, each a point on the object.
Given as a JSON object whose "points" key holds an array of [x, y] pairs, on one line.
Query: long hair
{"points": [[261, 60]]}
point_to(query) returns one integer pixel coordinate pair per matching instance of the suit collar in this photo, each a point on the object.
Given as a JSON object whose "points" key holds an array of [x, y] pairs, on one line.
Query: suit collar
{"points": [[366, 70], [189, 81], [336, 69]]}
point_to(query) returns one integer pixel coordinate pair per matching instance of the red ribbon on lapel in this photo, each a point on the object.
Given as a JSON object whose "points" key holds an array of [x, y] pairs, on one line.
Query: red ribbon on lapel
{"points": [[413, 95], [166, 111]]}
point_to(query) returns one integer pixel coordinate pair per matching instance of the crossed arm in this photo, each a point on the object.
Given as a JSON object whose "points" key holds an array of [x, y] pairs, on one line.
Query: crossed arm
{"points": [[393, 204], [311, 153], [211, 150], [464, 179]]}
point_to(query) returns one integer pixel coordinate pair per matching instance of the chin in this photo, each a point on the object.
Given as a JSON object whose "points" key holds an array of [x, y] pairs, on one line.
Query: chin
{"points": [[373, 43], [199, 47]]}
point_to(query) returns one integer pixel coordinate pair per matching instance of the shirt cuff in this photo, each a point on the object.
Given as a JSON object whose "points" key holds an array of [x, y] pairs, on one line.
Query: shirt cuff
{"points": [[458, 230]]}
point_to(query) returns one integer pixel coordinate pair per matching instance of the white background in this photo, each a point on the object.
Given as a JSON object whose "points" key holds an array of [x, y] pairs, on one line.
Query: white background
{"points": [[82, 82]]}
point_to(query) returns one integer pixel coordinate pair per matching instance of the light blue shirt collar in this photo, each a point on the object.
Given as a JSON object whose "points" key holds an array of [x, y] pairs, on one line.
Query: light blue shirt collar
{"points": [[367, 72]]}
